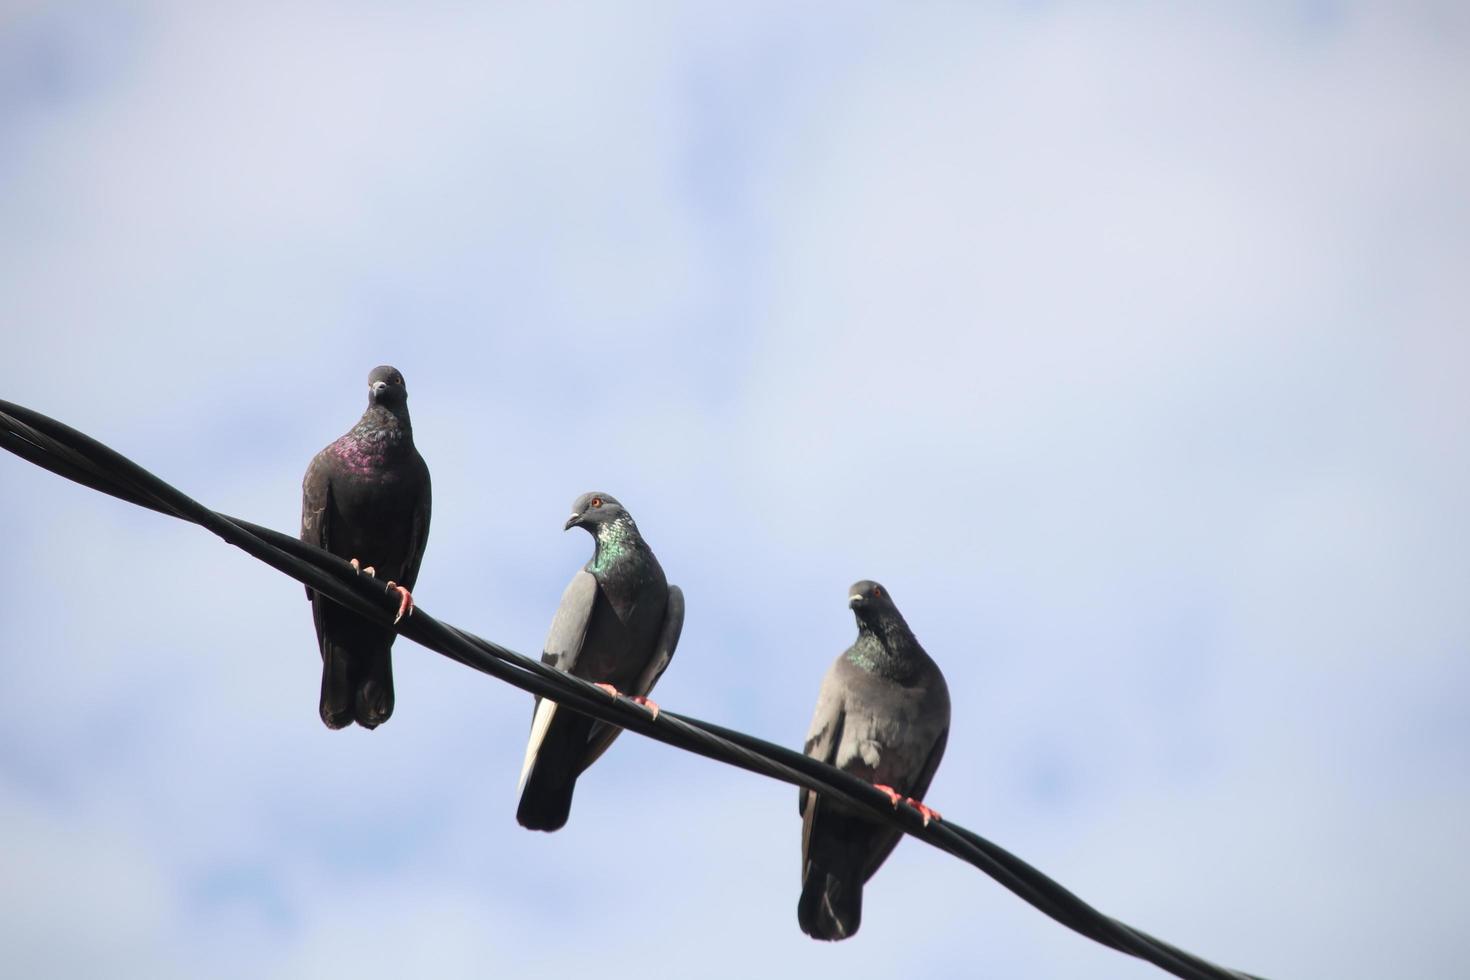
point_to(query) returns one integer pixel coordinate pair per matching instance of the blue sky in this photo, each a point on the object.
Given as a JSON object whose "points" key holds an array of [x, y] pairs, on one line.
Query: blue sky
{"points": [[1125, 344]]}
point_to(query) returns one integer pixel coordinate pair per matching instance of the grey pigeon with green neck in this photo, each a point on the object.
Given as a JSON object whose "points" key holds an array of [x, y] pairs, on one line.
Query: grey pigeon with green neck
{"points": [[366, 498], [882, 715], [618, 624]]}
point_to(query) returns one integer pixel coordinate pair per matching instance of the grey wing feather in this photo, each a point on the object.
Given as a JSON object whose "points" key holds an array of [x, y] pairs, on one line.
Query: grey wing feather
{"points": [[828, 720], [562, 648], [603, 734], [569, 625], [828, 723], [316, 506], [938, 710], [668, 640], [921, 782]]}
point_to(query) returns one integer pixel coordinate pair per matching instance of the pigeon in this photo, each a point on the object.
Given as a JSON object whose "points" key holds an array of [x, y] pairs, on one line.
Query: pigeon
{"points": [[617, 626], [883, 715], [366, 498]]}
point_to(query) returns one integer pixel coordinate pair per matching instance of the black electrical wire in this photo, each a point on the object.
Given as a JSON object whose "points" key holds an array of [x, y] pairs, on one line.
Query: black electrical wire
{"points": [[69, 453]]}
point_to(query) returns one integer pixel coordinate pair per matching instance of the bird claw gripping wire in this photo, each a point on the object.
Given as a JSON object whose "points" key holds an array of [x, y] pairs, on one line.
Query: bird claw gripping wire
{"points": [[895, 797], [637, 699], [405, 604]]}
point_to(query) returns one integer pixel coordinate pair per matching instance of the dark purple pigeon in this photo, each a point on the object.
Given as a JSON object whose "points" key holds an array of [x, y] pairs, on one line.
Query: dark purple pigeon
{"points": [[366, 498]]}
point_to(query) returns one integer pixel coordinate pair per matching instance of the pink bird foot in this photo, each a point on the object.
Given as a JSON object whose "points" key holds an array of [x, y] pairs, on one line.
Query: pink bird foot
{"points": [[924, 811], [405, 603], [637, 699], [893, 795], [640, 700]]}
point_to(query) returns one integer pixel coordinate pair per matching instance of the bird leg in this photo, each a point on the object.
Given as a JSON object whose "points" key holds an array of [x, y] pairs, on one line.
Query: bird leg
{"points": [[637, 699], [405, 604], [356, 565]]}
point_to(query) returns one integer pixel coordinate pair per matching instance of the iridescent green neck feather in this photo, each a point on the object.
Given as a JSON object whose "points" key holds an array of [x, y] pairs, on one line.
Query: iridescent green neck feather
{"points": [[614, 540], [885, 650]]}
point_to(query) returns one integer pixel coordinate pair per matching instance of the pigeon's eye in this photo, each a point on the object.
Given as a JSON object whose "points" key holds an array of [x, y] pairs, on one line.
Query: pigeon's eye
{"points": [[877, 591], [596, 501]]}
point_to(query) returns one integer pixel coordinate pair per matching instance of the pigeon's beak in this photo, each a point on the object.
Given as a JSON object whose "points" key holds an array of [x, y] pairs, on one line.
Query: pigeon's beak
{"points": [[572, 522], [854, 600], [378, 387]]}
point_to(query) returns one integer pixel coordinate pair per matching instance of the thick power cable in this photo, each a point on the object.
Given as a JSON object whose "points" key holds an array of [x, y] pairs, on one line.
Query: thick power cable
{"points": [[69, 453]]}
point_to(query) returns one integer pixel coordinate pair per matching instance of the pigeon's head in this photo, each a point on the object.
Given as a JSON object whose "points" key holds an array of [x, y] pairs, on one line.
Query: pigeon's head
{"points": [[870, 602], [594, 509], [386, 387]]}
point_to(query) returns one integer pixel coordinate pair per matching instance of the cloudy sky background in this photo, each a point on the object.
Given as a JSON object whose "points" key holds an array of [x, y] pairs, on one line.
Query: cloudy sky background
{"points": [[1127, 345]]}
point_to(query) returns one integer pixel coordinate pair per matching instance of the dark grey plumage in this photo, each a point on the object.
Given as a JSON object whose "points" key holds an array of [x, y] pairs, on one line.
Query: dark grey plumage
{"points": [[883, 715], [618, 623], [366, 496]]}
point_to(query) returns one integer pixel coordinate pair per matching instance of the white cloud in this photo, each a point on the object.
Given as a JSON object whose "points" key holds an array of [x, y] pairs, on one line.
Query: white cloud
{"points": [[1122, 344]]}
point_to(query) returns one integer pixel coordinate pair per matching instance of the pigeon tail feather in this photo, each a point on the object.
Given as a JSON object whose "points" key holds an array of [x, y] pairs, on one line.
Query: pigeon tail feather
{"points": [[546, 800], [831, 905], [336, 702], [357, 684], [373, 702]]}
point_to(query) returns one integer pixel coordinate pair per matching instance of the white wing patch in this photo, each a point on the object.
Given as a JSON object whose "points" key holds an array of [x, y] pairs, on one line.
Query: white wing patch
{"points": [[545, 711]]}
